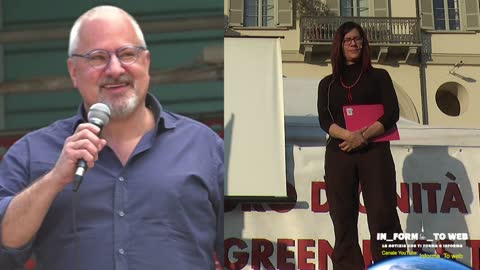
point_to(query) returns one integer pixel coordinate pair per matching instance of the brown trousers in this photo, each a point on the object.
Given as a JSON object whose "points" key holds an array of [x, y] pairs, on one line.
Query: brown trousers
{"points": [[373, 168]]}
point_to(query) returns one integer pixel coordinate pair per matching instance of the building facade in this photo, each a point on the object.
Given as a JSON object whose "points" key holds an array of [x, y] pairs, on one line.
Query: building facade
{"points": [[429, 47]]}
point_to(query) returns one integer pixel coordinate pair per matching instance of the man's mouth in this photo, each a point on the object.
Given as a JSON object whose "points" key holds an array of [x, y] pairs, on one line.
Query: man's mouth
{"points": [[114, 86]]}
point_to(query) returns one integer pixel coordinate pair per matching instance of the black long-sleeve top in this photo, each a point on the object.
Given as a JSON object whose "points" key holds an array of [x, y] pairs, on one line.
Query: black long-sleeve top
{"points": [[374, 87]]}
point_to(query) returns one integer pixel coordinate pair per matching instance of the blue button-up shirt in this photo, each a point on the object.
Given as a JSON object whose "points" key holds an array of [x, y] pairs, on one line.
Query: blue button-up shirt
{"points": [[162, 210]]}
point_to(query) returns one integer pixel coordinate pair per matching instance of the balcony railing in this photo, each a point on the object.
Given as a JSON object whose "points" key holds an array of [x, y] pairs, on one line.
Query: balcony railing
{"points": [[380, 30]]}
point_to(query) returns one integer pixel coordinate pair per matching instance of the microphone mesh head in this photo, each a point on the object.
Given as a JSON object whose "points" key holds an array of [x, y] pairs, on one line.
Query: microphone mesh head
{"points": [[99, 114]]}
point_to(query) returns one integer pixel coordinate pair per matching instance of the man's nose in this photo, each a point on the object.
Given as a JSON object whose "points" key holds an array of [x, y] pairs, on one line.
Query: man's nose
{"points": [[114, 67]]}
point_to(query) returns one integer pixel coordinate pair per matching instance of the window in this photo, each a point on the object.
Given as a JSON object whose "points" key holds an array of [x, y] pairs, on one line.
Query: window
{"points": [[450, 15], [357, 8], [452, 98], [259, 13], [446, 14]]}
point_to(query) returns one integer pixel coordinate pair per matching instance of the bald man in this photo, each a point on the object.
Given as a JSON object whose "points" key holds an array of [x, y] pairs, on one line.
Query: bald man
{"points": [[152, 197]]}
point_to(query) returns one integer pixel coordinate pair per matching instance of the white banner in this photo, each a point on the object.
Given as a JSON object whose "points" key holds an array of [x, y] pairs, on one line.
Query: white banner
{"points": [[438, 205], [253, 80]]}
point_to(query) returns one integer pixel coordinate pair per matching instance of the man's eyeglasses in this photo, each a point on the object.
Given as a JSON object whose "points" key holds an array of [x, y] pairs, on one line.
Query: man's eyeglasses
{"points": [[99, 59], [348, 40]]}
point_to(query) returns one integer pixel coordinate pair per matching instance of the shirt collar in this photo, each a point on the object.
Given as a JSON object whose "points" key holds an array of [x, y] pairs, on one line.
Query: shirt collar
{"points": [[163, 120]]}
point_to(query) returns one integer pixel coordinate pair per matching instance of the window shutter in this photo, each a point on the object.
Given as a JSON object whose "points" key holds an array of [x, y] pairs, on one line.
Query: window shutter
{"points": [[334, 7], [236, 13], [285, 13], [472, 12], [426, 14], [380, 8]]}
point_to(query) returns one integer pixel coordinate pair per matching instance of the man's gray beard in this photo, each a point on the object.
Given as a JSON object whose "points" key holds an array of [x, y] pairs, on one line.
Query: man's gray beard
{"points": [[123, 109]]}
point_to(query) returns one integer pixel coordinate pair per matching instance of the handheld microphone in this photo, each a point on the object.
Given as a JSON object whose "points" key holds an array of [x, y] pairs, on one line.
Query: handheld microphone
{"points": [[99, 115]]}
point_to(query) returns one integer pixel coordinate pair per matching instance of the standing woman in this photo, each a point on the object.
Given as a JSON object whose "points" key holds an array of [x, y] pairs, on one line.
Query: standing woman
{"points": [[351, 159]]}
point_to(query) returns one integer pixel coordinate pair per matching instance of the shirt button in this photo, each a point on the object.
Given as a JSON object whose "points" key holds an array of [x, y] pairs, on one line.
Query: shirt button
{"points": [[121, 179], [121, 213], [121, 251]]}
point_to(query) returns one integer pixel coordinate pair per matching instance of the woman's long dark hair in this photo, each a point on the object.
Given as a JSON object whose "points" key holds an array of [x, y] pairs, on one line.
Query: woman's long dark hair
{"points": [[338, 58]]}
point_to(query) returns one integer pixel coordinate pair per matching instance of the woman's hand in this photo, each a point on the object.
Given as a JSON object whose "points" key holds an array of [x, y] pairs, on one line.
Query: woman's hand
{"points": [[354, 141]]}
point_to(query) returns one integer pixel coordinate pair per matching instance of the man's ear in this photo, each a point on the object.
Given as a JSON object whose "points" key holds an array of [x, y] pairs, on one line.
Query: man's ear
{"points": [[72, 71]]}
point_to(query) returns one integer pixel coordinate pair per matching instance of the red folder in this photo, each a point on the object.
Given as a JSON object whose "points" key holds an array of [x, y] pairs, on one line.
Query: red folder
{"points": [[360, 116]]}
